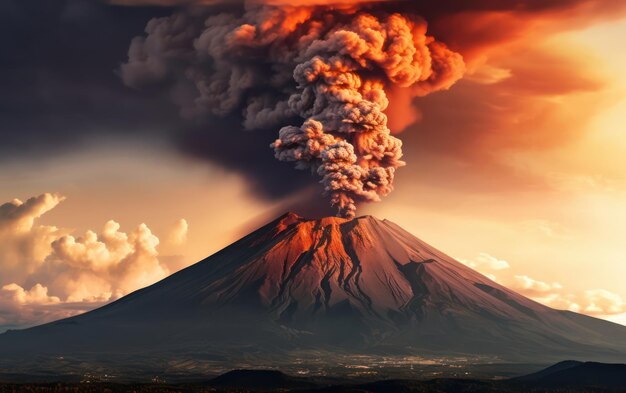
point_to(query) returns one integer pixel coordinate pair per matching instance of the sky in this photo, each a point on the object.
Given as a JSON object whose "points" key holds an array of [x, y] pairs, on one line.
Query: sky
{"points": [[513, 165]]}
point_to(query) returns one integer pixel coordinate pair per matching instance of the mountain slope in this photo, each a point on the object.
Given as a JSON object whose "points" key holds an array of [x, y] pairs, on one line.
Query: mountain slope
{"points": [[349, 286]]}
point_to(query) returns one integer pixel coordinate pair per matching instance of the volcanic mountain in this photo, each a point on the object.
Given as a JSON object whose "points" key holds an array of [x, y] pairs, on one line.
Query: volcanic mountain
{"points": [[361, 286]]}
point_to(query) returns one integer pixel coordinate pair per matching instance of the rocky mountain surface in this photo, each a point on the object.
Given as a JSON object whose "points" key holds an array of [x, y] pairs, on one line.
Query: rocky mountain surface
{"points": [[362, 287]]}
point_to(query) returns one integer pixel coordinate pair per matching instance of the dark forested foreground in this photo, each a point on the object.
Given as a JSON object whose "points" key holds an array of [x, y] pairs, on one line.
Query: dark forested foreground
{"points": [[568, 376]]}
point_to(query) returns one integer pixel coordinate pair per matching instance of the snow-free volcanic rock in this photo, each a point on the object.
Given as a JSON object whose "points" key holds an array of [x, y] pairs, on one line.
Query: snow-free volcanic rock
{"points": [[334, 285]]}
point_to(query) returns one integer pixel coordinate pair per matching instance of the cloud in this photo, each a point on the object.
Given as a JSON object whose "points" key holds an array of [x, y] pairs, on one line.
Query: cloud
{"points": [[486, 262], [178, 234], [530, 286], [326, 68], [518, 94], [67, 274], [23, 245], [596, 302], [38, 294], [488, 74], [617, 318], [603, 302], [45, 85], [106, 266], [41, 74], [526, 8], [172, 3], [559, 301], [20, 307], [18, 217]]}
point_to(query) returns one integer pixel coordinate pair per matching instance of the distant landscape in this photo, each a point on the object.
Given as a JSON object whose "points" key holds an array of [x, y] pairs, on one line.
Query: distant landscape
{"points": [[567, 376]]}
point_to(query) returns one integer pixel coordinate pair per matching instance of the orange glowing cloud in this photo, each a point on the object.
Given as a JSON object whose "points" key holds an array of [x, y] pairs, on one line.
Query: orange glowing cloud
{"points": [[303, 3], [329, 67], [519, 91]]}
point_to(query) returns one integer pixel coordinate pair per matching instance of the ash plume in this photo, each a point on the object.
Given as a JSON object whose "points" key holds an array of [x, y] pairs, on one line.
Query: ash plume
{"points": [[327, 65]]}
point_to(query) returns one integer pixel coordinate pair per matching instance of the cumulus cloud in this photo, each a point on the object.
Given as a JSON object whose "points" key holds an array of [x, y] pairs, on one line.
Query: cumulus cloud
{"points": [[49, 273], [559, 301], [330, 66], [178, 234], [603, 302], [596, 302], [38, 294], [486, 262], [531, 286], [23, 245], [106, 266]]}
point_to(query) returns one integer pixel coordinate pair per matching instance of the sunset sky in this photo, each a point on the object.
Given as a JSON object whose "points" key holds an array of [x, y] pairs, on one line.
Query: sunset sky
{"points": [[517, 169]]}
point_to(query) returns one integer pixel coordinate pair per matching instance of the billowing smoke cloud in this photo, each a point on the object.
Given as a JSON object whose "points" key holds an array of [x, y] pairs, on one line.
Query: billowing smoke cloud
{"points": [[330, 66], [212, 2]]}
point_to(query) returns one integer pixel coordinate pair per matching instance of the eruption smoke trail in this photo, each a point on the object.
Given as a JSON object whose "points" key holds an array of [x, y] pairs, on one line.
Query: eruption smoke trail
{"points": [[327, 65]]}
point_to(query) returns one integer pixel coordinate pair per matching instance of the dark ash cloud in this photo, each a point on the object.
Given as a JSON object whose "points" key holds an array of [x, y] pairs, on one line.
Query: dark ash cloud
{"points": [[59, 89]]}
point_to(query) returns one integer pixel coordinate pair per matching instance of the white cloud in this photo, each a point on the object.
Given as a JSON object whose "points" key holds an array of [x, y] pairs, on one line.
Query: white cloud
{"points": [[68, 274], [617, 318], [23, 245], [596, 302], [101, 267], [18, 217], [490, 276], [530, 285], [486, 264], [178, 234], [603, 302], [38, 294], [559, 301]]}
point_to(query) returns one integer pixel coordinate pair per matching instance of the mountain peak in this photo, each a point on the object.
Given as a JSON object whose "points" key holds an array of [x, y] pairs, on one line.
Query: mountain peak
{"points": [[294, 217], [317, 225], [291, 218]]}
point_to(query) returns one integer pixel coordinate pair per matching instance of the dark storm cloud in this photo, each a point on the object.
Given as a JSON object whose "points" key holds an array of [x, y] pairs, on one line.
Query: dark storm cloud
{"points": [[471, 28], [60, 89], [58, 85], [266, 176], [227, 144], [326, 68]]}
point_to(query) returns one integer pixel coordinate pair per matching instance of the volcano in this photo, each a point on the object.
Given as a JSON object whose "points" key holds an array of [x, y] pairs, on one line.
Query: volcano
{"points": [[362, 286]]}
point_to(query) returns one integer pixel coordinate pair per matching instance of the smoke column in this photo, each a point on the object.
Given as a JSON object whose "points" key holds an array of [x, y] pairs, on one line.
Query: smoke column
{"points": [[327, 65]]}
